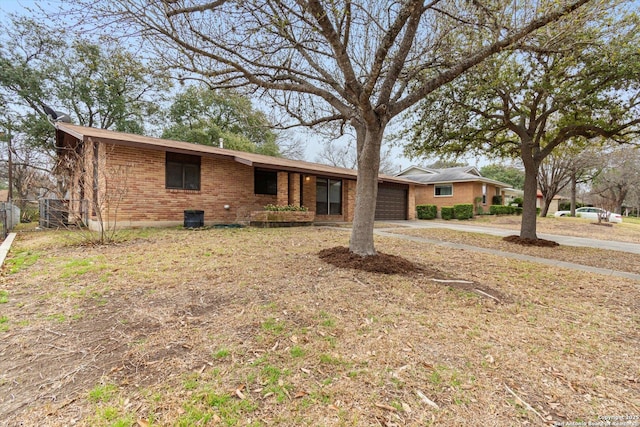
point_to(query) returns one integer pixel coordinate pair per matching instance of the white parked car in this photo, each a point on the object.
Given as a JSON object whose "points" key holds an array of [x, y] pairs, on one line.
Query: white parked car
{"points": [[592, 213]]}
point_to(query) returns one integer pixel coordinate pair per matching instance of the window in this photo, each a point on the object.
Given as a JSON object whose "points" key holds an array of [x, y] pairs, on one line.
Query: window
{"points": [[484, 194], [443, 190], [328, 196], [182, 171], [265, 182]]}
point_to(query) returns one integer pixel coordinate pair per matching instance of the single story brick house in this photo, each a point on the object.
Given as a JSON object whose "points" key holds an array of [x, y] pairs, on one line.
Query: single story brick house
{"points": [[511, 194], [141, 181], [452, 186]]}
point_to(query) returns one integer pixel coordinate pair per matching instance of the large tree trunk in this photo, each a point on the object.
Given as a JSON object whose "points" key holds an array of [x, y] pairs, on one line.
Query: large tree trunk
{"points": [[529, 214], [369, 141]]}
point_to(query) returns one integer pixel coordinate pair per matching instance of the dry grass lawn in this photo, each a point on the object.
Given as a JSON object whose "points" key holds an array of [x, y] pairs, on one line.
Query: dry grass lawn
{"points": [[249, 327], [628, 231]]}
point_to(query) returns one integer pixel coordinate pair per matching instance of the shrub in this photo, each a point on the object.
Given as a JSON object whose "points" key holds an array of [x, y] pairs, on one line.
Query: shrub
{"points": [[503, 210], [496, 200], [446, 212], [518, 210], [427, 211], [463, 211], [517, 201], [285, 208]]}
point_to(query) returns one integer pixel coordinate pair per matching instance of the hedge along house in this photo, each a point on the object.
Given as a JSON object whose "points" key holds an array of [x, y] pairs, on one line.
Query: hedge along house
{"points": [[452, 186], [139, 181]]}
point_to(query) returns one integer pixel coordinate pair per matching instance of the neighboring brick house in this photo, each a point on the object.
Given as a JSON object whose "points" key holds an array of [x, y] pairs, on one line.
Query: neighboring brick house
{"points": [[452, 186], [511, 194], [142, 181]]}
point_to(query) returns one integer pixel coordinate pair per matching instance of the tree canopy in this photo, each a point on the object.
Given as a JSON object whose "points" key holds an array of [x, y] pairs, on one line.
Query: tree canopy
{"points": [[349, 63], [204, 116], [100, 85], [577, 78], [507, 174]]}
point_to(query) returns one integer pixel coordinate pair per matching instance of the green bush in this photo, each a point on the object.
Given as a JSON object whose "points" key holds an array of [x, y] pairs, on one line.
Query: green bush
{"points": [[446, 212], [517, 201], [518, 210], [502, 210], [496, 200], [427, 211], [463, 211]]}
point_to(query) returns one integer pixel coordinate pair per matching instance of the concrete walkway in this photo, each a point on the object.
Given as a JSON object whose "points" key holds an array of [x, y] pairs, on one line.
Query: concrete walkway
{"points": [[5, 246], [563, 240]]}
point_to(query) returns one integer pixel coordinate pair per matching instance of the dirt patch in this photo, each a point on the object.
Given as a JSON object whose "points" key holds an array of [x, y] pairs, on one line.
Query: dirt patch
{"points": [[340, 256], [531, 242]]}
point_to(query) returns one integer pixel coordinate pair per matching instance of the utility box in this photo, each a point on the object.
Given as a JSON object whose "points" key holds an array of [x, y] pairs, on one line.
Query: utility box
{"points": [[193, 218]]}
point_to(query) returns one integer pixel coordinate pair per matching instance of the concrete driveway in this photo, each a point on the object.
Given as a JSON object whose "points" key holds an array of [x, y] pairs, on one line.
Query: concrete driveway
{"points": [[563, 240]]}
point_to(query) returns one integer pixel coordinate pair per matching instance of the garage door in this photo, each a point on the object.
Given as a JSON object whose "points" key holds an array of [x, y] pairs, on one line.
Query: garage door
{"points": [[392, 201]]}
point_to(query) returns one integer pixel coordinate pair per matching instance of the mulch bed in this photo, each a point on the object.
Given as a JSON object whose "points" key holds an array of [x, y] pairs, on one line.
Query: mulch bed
{"points": [[531, 242], [340, 256]]}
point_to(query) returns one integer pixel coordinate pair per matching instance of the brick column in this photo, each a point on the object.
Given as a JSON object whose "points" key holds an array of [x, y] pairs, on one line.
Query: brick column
{"points": [[309, 192], [283, 188], [411, 208], [348, 199], [294, 189]]}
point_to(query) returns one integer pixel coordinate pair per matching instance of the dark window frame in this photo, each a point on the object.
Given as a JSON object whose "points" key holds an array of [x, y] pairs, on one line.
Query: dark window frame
{"points": [[182, 171], [265, 182], [440, 187], [331, 208]]}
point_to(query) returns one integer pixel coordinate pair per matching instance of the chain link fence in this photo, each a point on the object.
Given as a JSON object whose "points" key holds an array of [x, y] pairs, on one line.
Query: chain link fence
{"points": [[58, 213]]}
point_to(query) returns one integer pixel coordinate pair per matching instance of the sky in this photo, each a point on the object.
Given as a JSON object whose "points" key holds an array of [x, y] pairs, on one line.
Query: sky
{"points": [[313, 142]]}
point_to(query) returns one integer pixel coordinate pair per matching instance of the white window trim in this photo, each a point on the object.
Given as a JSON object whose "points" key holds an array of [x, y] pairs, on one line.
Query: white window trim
{"points": [[442, 185]]}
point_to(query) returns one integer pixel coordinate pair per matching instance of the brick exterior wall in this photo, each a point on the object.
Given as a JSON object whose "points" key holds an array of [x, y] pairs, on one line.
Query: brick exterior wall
{"points": [[463, 192], [411, 209], [132, 182], [283, 188], [294, 189]]}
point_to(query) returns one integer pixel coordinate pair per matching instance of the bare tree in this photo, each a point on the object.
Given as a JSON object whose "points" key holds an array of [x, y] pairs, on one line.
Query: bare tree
{"points": [[291, 147], [621, 175], [94, 211], [352, 63], [632, 203], [568, 165], [344, 155], [31, 166]]}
